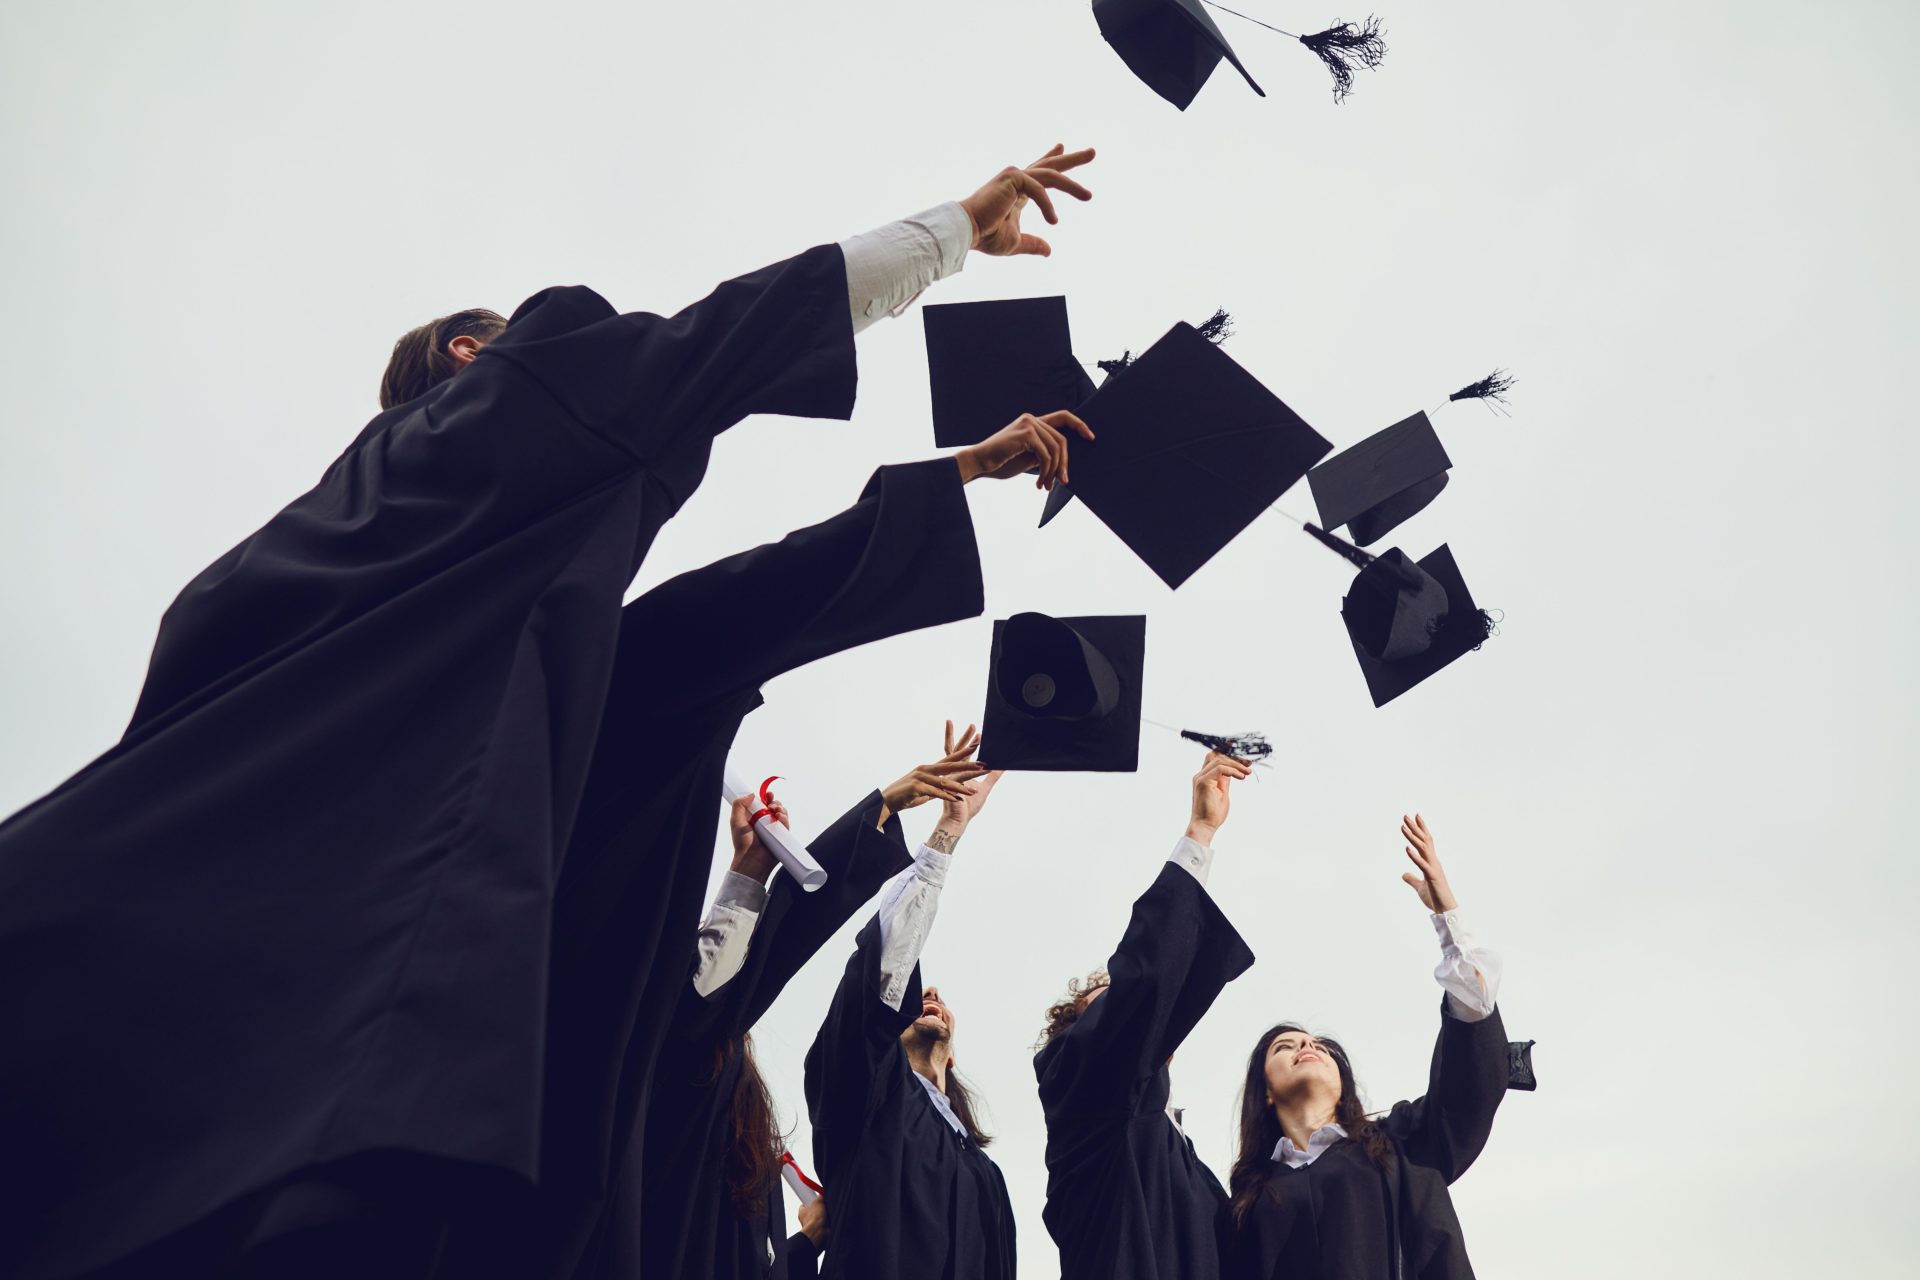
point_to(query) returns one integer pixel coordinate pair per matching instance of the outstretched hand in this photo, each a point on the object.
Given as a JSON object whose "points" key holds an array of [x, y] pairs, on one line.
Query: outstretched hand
{"points": [[1431, 882], [1025, 444], [1210, 794], [945, 779], [751, 857], [996, 207], [963, 808]]}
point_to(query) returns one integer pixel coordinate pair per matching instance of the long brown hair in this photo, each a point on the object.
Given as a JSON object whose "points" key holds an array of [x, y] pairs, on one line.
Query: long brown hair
{"points": [[753, 1158], [421, 361], [964, 1102], [1260, 1128]]}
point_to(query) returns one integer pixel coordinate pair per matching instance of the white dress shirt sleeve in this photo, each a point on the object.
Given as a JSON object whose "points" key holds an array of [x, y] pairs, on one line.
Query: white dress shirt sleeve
{"points": [[1467, 972], [906, 918], [1194, 856], [889, 267], [726, 932]]}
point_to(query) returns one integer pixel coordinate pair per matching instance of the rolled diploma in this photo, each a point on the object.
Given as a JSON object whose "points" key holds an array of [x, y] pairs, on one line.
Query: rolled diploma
{"points": [[776, 836], [796, 1181]]}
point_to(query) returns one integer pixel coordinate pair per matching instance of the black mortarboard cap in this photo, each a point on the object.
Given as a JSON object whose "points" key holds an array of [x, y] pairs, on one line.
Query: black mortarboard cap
{"points": [[1381, 482], [1189, 449], [1520, 1065], [1064, 693], [990, 362], [1387, 605], [1172, 45]]}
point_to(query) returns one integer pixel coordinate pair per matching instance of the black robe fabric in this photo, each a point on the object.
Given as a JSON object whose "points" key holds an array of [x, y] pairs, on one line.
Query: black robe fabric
{"points": [[302, 909], [907, 1196], [692, 655], [677, 1217], [1127, 1196], [1339, 1217]]}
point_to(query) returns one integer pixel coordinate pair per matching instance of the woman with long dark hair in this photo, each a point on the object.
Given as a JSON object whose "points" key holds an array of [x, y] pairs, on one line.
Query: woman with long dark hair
{"points": [[1322, 1189], [708, 1202]]}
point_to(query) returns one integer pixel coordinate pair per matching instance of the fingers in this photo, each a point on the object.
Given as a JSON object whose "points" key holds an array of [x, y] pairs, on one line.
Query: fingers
{"points": [[1046, 444], [1051, 177], [969, 743], [1060, 158], [949, 747], [1060, 419], [780, 814], [1034, 190], [1053, 152], [1218, 767]]}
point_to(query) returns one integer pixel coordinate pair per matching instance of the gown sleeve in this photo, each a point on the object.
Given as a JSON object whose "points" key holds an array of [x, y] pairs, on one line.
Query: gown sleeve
{"points": [[859, 1040], [1447, 1128], [1178, 953], [859, 857], [901, 558], [777, 340]]}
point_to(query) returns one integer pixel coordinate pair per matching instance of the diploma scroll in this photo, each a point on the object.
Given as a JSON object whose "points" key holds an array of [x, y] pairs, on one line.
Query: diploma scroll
{"points": [[776, 835], [805, 1189]]}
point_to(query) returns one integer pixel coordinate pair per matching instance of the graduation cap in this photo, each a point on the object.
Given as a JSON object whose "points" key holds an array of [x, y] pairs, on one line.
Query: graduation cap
{"points": [[1406, 619], [1173, 45], [1375, 486], [1189, 449], [990, 362], [1520, 1065], [1064, 693]]}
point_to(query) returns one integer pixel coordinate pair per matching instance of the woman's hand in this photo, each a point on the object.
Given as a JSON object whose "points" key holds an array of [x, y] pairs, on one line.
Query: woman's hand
{"points": [[958, 810], [1431, 883], [751, 858], [946, 779], [813, 1222], [996, 207], [1022, 445], [1210, 795]]}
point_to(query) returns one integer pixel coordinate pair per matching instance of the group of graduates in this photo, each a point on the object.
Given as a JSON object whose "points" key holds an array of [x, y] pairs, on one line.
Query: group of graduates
{"points": [[374, 947]]}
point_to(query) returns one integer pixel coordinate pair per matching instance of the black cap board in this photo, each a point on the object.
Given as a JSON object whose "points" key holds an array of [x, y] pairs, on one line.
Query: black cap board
{"points": [[1189, 449], [1384, 590], [1172, 45], [1378, 484], [1064, 693], [990, 362]]}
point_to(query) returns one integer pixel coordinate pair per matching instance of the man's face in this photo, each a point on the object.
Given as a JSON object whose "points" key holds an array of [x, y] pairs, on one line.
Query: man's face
{"points": [[935, 1023]]}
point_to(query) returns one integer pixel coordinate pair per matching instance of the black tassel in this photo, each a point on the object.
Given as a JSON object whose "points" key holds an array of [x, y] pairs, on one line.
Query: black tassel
{"points": [[1250, 747], [1343, 47], [1111, 367], [1492, 387], [1217, 328], [1339, 546]]}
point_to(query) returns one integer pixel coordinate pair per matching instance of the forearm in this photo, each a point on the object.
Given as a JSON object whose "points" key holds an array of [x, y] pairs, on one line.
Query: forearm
{"points": [[1468, 972], [727, 932], [890, 266], [907, 914]]}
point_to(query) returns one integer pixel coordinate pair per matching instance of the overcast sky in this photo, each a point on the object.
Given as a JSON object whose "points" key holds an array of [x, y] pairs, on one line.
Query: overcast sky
{"points": [[1669, 791]]}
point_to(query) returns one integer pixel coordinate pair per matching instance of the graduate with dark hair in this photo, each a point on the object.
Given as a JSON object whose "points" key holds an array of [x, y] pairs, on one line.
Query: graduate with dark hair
{"points": [[1127, 1196], [343, 933], [1319, 1187], [709, 1200], [910, 1191]]}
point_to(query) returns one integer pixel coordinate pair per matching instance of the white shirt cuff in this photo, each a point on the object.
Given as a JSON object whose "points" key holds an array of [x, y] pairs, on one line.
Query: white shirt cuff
{"points": [[1468, 972], [890, 266], [741, 891], [907, 912], [1194, 856], [727, 932]]}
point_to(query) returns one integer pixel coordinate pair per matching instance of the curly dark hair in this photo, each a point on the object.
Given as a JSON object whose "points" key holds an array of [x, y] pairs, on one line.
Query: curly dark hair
{"points": [[1066, 1011], [1260, 1128]]}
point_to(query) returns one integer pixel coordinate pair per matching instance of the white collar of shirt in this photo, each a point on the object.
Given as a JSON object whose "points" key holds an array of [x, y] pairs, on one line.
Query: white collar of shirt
{"points": [[1284, 1152], [941, 1104]]}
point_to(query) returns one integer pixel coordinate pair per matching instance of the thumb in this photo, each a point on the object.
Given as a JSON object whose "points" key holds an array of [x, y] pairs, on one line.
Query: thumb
{"points": [[1030, 243], [1419, 886]]}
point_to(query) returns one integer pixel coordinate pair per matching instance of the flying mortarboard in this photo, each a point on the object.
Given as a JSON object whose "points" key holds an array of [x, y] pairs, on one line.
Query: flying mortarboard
{"points": [[990, 362], [1173, 45], [1064, 693], [1189, 448], [1375, 485]]}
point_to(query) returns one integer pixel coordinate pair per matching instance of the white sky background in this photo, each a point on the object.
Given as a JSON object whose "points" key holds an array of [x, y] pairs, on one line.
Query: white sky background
{"points": [[1668, 791]]}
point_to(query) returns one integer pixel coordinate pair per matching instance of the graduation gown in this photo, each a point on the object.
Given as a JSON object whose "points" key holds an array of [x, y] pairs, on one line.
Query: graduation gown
{"points": [[677, 1218], [693, 653], [302, 909], [907, 1196], [1341, 1218], [1127, 1197]]}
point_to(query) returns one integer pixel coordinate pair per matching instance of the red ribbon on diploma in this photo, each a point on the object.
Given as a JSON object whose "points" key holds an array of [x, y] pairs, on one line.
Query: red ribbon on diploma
{"points": [[786, 1158], [766, 800]]}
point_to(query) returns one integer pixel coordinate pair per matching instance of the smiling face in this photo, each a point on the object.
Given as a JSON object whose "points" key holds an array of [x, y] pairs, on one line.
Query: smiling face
{"points": [[935, 1024], [1301, 1068]]}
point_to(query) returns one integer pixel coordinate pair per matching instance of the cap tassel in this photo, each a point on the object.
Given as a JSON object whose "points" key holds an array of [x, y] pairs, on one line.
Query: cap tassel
{"points": [[1111, 367], [1493, 387], [1250, 747], [1216, 328], [1344, 47], [1407, 578]]}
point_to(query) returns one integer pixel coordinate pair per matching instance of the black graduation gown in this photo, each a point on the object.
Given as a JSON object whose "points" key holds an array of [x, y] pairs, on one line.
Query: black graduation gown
{"points": [[1338, 1218], [906, 1195], [692, 654], [673, 1215], [1127, 1196], [301, 910]]}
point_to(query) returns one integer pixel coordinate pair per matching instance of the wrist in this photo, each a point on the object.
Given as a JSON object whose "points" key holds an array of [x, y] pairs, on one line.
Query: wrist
{"points": [[945, 836], [973, 224], [1202, 832], [968, 464]]}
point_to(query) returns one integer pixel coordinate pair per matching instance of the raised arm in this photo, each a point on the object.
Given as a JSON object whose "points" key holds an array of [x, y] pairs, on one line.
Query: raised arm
{"points": [[1179, 951], [1447, 1128]]}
